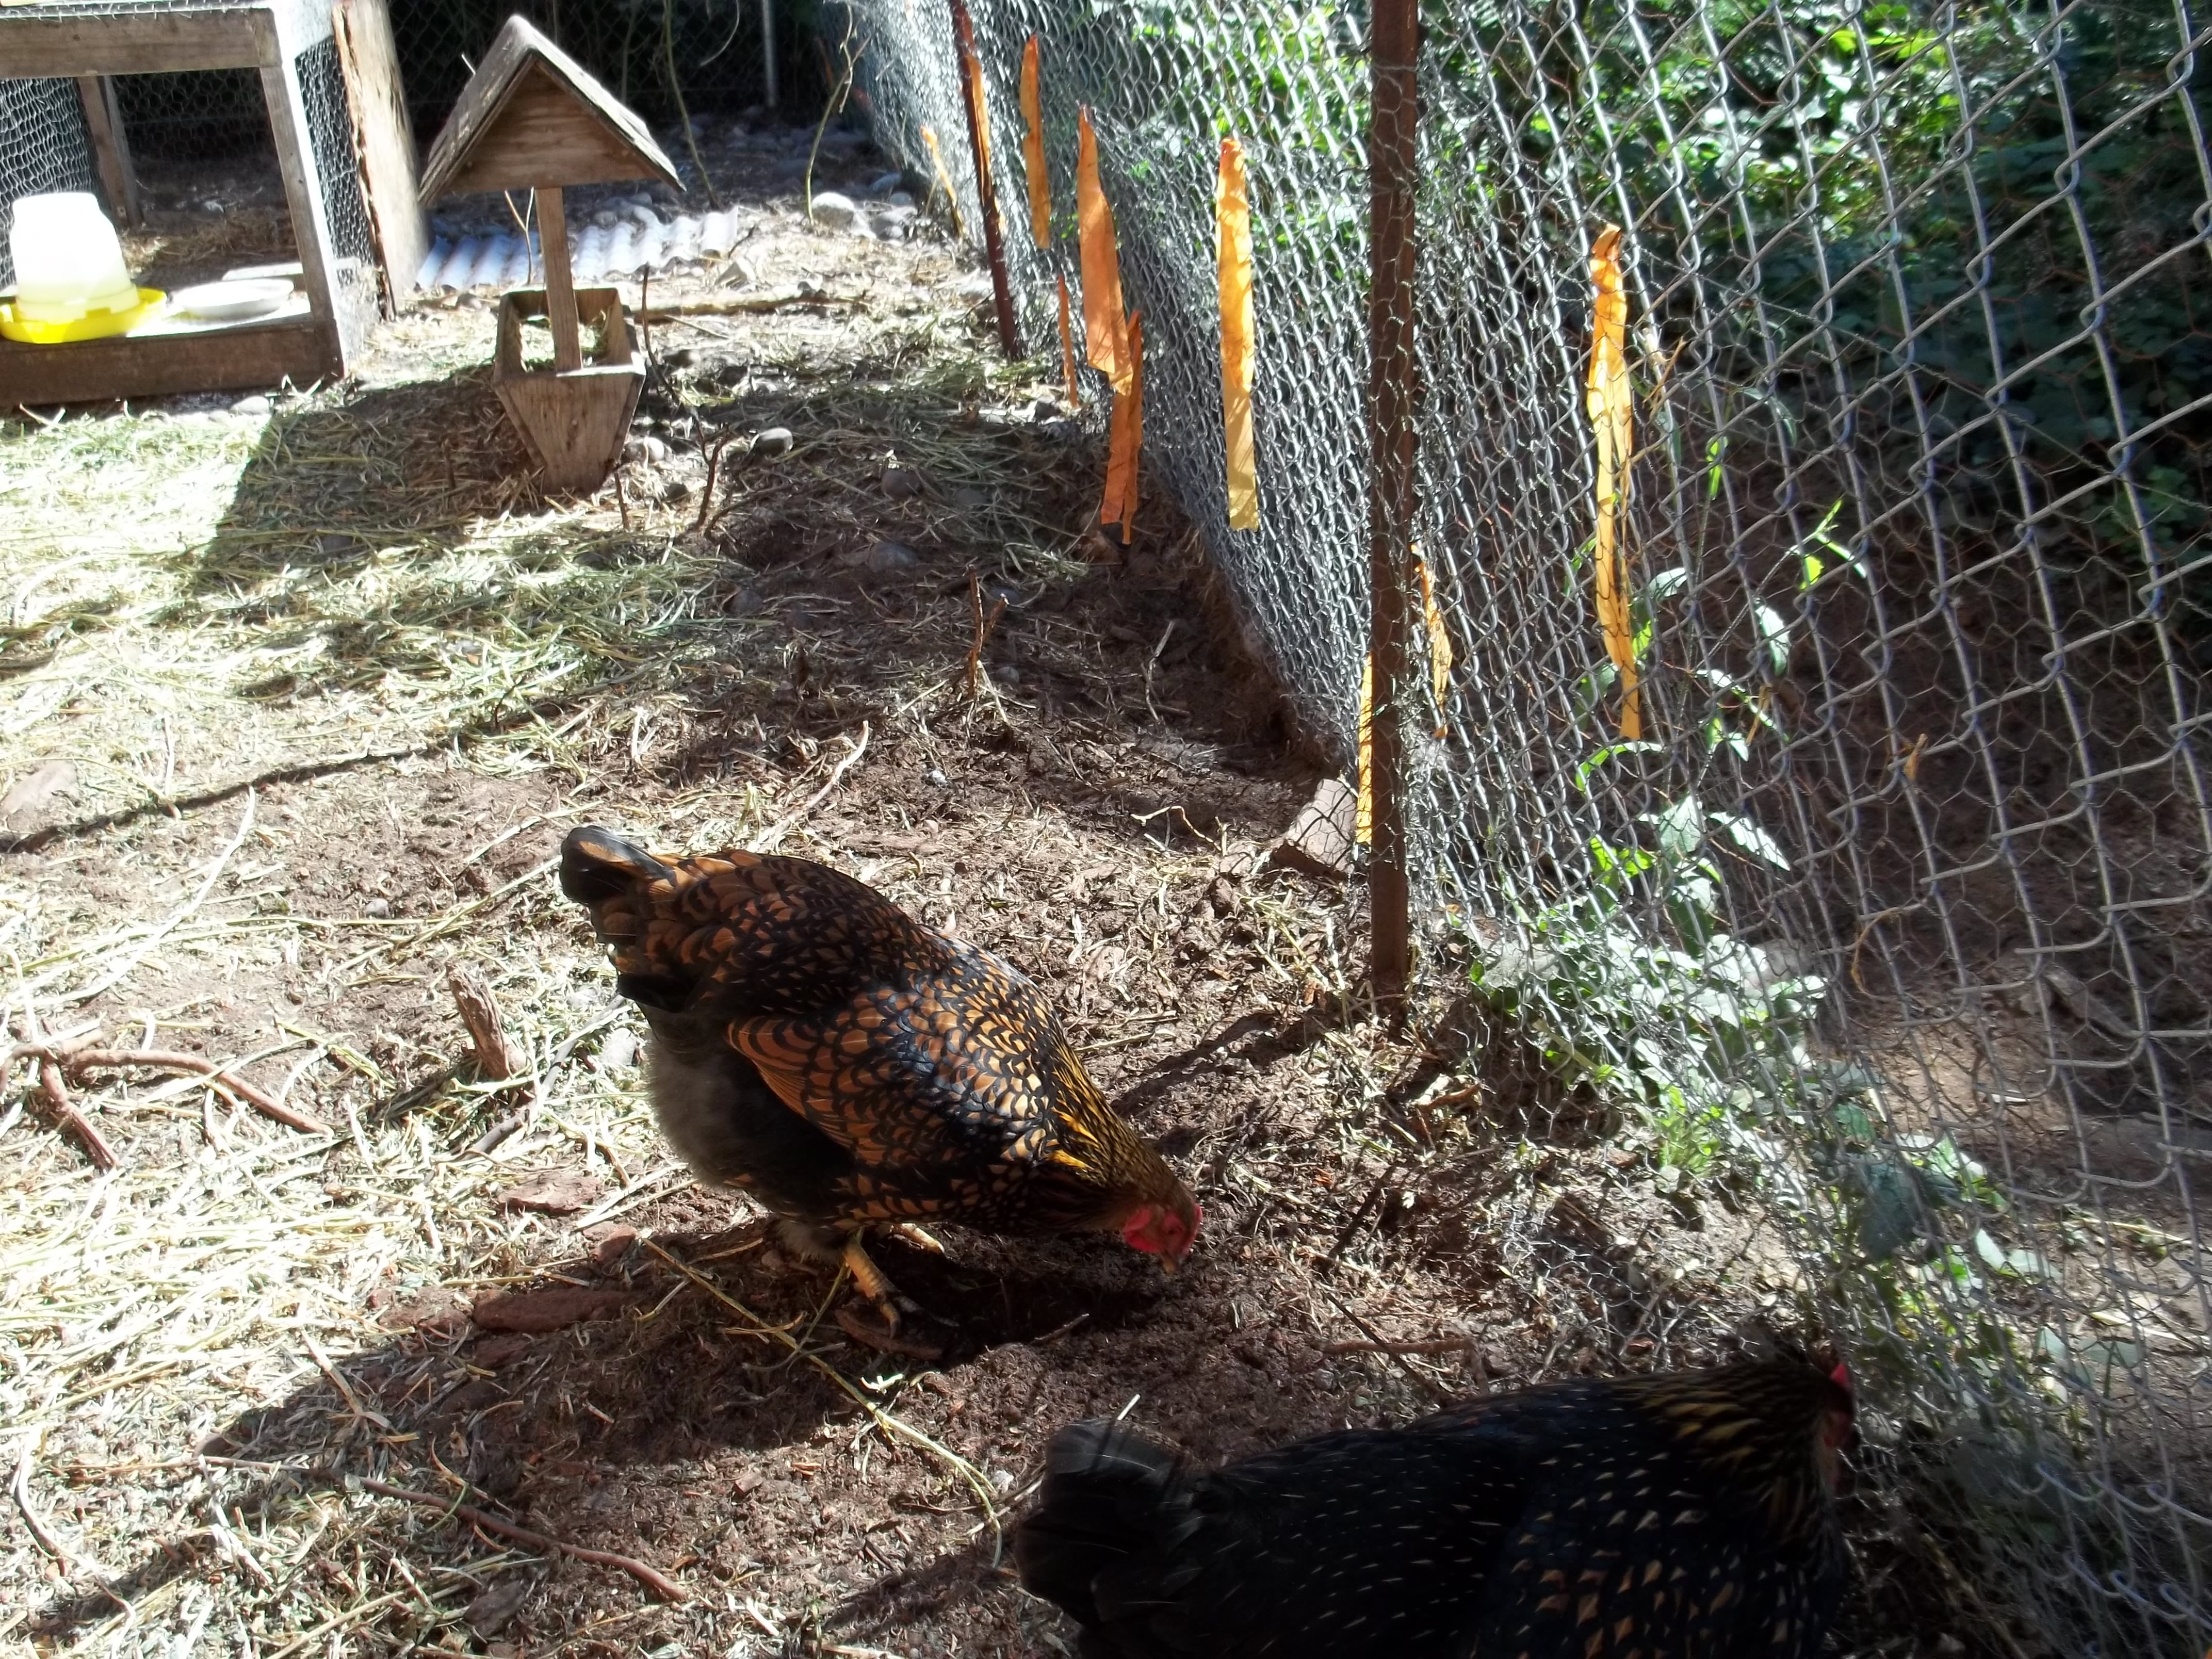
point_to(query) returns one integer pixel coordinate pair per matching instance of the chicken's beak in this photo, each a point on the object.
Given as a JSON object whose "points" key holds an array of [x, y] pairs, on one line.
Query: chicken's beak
{"points": [[1167, 1264]]}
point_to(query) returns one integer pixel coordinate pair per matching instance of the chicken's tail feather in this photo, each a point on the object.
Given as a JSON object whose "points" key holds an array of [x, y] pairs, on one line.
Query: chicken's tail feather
{"points": [[598, 865], [1107, 1492]]}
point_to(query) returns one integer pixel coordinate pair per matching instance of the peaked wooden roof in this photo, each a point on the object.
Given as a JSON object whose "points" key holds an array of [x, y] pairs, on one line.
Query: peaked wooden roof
{"points": [[531, 116]]}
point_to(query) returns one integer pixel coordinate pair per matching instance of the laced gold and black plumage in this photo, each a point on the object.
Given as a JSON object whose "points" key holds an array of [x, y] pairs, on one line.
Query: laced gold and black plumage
{"points": [[819, 1049]]}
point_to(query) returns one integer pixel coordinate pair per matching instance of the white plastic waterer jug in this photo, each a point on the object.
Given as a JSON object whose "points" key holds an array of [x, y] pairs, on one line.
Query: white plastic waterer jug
{"points": [[68, 261]]}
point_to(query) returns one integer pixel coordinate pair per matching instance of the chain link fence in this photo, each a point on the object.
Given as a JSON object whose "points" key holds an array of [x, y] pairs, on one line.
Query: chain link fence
{"points": [[1889, 910], [669, 59]]}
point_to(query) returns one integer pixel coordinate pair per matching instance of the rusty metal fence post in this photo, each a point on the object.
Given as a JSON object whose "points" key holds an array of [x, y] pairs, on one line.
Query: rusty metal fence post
{"points": [[987, 193], [1392, 392]]}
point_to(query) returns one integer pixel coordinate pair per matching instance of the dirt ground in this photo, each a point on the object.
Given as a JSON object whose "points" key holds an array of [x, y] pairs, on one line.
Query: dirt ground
{"points": [[298, 696]]}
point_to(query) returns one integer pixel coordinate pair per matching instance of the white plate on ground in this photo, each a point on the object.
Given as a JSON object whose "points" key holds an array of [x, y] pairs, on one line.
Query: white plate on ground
{"points": [[233, 302]]}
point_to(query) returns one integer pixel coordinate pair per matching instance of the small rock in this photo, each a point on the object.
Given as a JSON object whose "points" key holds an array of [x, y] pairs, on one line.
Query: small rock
{"points": [[883, 185], [546, 1310], [490, 1614], [899, 198], [331, 543], [834, 211], [675, 489], [435, 1312], [902, 483], [31, 791], [553, 1191], [936, 777], [887, 557], [494, 1352], [650, 450], [892, 227], [379, 907], [1320, 839], [776, 440], [614, 1246], [256, 404]]}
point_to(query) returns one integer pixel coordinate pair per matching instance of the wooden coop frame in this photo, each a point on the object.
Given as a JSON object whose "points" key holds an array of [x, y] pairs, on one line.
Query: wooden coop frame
{"points": [[87, 41], [533, 119]]}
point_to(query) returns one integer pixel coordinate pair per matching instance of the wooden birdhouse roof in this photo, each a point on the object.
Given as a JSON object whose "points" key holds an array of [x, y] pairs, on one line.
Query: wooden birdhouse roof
{"points": [[533, 118]]}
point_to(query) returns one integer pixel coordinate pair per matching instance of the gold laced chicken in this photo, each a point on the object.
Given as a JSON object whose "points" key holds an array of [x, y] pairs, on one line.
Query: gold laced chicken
{"points": [[816, 1048]]}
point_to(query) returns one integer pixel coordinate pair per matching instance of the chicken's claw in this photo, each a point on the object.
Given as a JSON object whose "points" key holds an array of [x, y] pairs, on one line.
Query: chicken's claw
{"points": [[914, 1235], [904, 1326]]}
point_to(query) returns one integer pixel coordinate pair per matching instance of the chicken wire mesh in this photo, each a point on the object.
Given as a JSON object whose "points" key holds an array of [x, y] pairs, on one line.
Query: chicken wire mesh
{"points": [[1890, 918], [665, 59], [43, 146]]}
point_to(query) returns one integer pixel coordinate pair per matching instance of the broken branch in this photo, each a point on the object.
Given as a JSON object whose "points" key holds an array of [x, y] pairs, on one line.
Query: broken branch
{"points": [[79, 1060], [661, 1585]]}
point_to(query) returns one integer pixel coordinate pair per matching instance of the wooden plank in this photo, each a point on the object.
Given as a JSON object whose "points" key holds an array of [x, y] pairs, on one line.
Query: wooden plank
{"points": [[560, 286], [127, 43], [543, 137], [250, 358], [383, 144], [303, 194], [111, 150], [531, 116], [1394, 394], [574, 422]]}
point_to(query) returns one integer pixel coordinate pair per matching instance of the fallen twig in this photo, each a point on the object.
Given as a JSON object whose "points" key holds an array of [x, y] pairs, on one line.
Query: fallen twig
{"points": [[1429, 1344], [983, 626], [55, 1091], [777, 832], [707, 514], [170, 1060], [885, 1424], [42, 1533], [169, 924], [660, 1583], [1395, 1353], [761, 304]]}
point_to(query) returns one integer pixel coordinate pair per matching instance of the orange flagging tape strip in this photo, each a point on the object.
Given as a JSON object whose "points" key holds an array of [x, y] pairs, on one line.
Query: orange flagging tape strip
{"points": [[1067, 348], [1103, 322], [1440, 647], [1033, 149], [1612, 414], [1124, 434], [1232, 218], [1363, 826], [943, 179]]}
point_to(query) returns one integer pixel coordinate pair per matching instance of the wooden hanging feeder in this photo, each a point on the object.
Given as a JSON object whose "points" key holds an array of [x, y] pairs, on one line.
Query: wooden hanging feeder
{"points": [[532, 118]]}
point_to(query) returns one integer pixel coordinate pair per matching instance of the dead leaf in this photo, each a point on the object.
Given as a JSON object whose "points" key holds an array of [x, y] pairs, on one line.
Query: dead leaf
{"points": [[34, 790], [546, 1310], [554, 1192]]}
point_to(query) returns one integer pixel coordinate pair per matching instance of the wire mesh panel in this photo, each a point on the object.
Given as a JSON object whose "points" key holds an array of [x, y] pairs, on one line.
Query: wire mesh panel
{"points": [[1862, 873], [43, 146], [666, 59], [330, 135]]}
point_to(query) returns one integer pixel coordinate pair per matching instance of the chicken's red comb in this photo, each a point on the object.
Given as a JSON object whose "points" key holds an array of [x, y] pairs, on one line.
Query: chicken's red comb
{"points": [[1842, 1375]]}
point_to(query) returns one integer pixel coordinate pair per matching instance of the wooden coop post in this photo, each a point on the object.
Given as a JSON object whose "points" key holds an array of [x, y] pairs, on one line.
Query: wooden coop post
{"points": [[61, 39], [532, 118], [1394, 392], [560, 285], [295, 162], [111, 150]]}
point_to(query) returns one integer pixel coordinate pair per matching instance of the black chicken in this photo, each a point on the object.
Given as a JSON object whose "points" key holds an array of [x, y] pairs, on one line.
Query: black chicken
{"points": [[1680, 1516]]}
